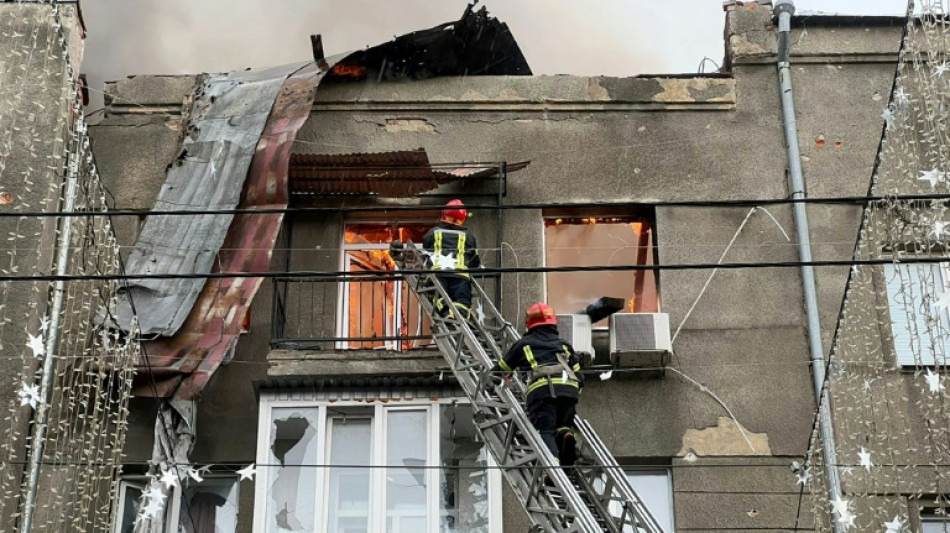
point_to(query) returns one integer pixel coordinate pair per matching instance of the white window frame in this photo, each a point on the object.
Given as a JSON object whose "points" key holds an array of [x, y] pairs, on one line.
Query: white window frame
{"points": [[141, 482], [392, 327], [377, 512], [632, 472], [930, 351]]}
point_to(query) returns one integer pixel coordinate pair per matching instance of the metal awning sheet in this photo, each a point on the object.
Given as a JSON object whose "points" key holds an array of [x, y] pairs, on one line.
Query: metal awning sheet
{"points": [[400, 174], [223, 129], [182, 364]]}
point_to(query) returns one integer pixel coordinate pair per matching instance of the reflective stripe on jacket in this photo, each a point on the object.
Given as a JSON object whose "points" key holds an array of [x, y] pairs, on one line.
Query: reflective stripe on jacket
{"points": [[455, 241]]}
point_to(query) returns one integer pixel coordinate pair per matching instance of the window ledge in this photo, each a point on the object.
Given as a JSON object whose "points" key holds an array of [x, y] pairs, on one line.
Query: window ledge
{"points": [[286, 363]]}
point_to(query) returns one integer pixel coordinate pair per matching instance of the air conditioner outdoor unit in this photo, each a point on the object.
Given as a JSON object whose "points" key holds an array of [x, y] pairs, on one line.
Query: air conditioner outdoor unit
{"points": [[576, 329], [640, 340]]}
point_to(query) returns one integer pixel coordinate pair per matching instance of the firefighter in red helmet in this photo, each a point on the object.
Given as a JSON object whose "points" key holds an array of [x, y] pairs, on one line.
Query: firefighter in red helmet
{"points": [[554, 380], [452, 249]]}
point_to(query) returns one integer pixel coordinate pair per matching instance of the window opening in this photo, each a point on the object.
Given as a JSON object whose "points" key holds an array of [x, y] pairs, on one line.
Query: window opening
{"points": [[381, 476], [919, 325], [600, 240], [380, 314], [293, 444], [210, 507]]}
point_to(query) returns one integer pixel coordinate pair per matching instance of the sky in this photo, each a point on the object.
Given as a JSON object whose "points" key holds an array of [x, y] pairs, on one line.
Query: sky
{"points": [[581, 37]]}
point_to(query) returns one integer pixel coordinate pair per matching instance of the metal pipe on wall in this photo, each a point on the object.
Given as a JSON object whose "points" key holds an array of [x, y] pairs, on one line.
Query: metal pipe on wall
{"points": [[783, 10]]}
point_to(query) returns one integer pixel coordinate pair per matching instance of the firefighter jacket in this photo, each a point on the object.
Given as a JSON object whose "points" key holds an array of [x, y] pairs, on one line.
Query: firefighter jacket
{"points": [[537, 353], [449, 240]]}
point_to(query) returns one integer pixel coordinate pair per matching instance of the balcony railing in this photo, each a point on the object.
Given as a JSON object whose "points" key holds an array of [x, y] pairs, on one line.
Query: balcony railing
{"points": [[376, 312]]}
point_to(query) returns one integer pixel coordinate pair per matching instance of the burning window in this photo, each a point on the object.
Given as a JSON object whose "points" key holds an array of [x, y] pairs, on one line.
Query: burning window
{"points": [[600, 240], [380, 312]]}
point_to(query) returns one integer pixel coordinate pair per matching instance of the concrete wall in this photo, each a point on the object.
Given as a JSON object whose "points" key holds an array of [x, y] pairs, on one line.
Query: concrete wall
{"points": [[612, 140], [35, 111]]}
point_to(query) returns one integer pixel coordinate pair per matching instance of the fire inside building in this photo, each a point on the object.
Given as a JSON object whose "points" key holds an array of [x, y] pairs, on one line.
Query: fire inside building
{"points": [[369, 291]]}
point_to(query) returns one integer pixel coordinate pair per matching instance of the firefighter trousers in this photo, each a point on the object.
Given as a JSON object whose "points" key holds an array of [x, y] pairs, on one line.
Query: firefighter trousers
{"points": [[459, 290], [553, 417]]}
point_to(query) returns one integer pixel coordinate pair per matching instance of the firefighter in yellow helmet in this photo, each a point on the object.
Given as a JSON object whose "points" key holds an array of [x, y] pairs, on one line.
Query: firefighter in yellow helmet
{"points": [[554, 380], [452, 249]]}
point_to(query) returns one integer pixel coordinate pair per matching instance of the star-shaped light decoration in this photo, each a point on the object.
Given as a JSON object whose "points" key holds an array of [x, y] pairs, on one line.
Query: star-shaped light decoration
{"points": [[803, 476], [29, 395], [169, 478], [153, 508], [933, 381], [44, 324], [195, 474], [941, 69], [867, 385], [840, 507], [443, 262], [847, 470], [943, 302], [865, 457], [901, 96], [894, 526], [939, 228], [933, 176], [888, 117], [247, 472], [36, 344]]}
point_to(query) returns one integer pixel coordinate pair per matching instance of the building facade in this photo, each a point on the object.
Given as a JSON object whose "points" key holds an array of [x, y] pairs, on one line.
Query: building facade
{"points": [[335, 372]]}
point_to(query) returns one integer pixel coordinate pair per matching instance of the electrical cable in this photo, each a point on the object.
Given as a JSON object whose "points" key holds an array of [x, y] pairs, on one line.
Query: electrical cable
{"points": [[828, 200], [355, 276]]}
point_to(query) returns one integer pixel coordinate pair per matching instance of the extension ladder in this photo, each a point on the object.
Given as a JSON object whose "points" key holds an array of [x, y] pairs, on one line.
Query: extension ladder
{"points": [[596, 496]]}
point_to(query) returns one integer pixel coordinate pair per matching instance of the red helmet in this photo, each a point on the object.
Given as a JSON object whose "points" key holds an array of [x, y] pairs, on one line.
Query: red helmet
{"points": [[455, 213], [540, 314]]}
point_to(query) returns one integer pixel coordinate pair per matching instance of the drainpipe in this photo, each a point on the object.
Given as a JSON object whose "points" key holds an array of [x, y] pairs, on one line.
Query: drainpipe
{"points": [[783, 10], [41, 419]]}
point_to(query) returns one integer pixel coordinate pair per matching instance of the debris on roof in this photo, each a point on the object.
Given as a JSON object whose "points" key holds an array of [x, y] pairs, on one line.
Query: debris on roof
{"points": [[475, 45]]}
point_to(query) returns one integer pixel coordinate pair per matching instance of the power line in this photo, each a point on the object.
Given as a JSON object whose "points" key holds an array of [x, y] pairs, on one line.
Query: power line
{"points": [[356, 276], [828, 200]]}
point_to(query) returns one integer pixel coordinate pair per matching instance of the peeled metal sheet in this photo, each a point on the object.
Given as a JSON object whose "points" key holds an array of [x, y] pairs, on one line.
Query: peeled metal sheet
{"points": [[222, 133], [183, 364]]}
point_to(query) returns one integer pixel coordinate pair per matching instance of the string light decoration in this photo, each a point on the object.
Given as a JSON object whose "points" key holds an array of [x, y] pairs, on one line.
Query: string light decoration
{"points": [[78, 414], [887, 372]]}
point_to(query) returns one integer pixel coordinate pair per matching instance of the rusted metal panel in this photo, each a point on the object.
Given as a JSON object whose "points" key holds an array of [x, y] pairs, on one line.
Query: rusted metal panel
{"points": [[221, 135], [184, 363], [389, 174]]}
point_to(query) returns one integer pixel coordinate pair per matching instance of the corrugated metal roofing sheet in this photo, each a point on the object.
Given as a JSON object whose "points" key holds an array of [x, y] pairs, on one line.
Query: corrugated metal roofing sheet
{"points": [[222, 134], [388, 174], [185, 362]]}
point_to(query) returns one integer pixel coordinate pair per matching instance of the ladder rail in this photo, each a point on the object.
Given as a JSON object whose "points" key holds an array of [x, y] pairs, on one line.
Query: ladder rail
{"points": [[615, 487], [586, 502], [528, 462]]}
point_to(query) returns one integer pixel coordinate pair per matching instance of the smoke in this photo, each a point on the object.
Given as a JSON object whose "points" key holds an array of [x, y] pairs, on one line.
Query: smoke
{"points": [[589, 37]]}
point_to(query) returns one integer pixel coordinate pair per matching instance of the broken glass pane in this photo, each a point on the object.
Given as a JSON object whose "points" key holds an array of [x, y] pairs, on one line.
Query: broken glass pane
{"points": [[291, 498], [406, 450], [464, 476], [211, 507]]}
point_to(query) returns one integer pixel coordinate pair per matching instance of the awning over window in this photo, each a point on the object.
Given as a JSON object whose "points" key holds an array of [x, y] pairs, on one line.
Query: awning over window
{"points": [[387, 174]]}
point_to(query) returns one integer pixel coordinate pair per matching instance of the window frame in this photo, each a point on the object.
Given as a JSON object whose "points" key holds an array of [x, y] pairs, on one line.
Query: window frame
{"points": [[140, 482], [904, 357], [377, 504], [392, 327], [633, 470], [646, 214]]}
